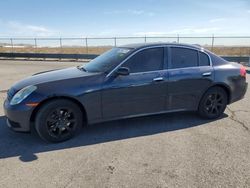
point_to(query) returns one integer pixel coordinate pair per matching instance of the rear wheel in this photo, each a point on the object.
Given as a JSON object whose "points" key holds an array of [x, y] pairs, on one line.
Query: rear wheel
{"points": [[58, 120], [213, 103]]}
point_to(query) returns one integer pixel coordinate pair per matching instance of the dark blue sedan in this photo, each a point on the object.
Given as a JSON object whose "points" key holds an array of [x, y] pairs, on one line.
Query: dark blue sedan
{"points": [[127, 81]]}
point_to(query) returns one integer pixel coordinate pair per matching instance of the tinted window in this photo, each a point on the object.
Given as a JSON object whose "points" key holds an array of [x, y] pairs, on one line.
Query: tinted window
{"points": [[107, 60], [216, 60], [146, 60], [204, 60], [182, 57]]}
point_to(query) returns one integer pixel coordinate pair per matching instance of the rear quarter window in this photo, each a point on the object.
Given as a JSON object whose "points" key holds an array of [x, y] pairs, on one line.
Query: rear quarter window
{"points": [[216, 60]]}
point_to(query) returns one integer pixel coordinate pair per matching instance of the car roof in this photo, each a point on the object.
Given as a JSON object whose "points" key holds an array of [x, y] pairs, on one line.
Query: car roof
{"points": [[143, 45]]}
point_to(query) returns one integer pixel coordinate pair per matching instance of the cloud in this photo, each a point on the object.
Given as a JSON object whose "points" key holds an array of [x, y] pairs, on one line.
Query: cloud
{"points": [[204, 30], [107, 32], [217, 20], [136, 12], [150, 33], [131, 12], [15, 28], [39, 29]]}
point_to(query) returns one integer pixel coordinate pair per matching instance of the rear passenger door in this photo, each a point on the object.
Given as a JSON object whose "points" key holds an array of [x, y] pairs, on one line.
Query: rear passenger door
{"points": [[190, 74]]}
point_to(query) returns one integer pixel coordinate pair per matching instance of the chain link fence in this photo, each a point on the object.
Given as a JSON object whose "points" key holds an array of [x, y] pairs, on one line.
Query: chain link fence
{"points": [[221, 45]]}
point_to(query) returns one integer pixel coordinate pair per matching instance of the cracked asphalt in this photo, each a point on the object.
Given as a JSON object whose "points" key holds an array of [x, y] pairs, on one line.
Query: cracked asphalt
{"points": [[173, 150]]}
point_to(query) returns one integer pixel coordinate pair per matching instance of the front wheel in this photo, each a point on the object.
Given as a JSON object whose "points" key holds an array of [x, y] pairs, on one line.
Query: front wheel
{"points": [[213, 103], [58, 120]]}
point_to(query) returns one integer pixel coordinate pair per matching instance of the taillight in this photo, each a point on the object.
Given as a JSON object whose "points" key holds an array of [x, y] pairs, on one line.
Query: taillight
{"points": [[243, 71]]}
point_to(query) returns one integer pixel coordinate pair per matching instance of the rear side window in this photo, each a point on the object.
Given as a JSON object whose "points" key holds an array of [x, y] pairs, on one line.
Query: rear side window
{"points": [[146, 60], [183, 57], [204, 59]]}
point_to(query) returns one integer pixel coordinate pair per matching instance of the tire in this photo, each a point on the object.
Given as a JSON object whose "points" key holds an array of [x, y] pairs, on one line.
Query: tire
{"points": [[213, 103], [58, 120]]}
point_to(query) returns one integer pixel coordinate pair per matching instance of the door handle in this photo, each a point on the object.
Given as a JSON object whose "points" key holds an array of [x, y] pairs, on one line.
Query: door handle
{"points": [[206, 74], [158, 79]]}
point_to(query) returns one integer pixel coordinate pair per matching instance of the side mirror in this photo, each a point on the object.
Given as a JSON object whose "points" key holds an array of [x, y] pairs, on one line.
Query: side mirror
{"points": [[124, 71]]}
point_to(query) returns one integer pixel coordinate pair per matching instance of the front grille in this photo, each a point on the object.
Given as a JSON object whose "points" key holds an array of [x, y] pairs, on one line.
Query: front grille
{"points": [[10, 94]]}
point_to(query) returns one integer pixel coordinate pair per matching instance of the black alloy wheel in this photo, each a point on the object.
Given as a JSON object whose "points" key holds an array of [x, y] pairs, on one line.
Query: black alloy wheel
{"points": [[61, 122], [58, 120], [213, 103]]}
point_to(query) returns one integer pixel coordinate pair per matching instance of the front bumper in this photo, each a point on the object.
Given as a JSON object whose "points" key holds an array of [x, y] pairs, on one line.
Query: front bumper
{"points": [[18, 116]]}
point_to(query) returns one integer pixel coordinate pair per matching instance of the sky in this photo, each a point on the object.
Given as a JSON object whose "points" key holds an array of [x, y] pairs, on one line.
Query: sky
{"points": [[105, 18]]}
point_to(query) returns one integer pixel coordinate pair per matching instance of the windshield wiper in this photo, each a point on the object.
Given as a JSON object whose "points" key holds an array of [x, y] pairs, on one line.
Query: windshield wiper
{"points": [[81, 68]]}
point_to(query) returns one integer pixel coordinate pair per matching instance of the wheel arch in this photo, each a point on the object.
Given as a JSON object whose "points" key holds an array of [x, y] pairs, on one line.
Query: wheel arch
{"points": [[223, 86], [41, 104]]}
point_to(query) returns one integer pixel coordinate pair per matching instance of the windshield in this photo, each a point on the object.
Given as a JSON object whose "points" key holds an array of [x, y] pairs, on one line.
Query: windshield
{"points": [[107, 60]]}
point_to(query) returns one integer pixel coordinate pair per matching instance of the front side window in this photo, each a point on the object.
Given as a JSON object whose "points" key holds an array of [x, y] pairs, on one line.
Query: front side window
{"points": [[183, 57], [146, 60], [107, 60]]}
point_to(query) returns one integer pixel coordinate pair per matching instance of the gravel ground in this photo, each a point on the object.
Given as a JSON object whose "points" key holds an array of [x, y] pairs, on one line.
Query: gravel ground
{"points": [[173, 150]]}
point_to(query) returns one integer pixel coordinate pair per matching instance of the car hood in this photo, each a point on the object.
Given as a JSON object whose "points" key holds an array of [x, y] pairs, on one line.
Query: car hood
{"points": [[51, 76]]}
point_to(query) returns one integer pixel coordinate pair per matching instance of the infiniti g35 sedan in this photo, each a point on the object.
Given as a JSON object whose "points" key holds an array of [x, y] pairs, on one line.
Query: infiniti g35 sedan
{"points": [[127, 81]]}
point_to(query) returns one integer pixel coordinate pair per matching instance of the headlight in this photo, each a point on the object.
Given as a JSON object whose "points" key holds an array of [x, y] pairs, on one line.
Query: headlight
{"points": [[22, 94]]}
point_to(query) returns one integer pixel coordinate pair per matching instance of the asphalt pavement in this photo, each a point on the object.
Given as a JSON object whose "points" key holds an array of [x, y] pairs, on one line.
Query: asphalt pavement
{"points": [[171, 150]]}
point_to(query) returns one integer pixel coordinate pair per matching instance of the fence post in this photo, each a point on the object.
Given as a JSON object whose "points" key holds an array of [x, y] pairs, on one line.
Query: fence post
{"points": [[212, 48], [35, 43], [115, 41], [60, 42], [86, 43], [178, 38], [12, 47], [61, 45], [145, 39]]}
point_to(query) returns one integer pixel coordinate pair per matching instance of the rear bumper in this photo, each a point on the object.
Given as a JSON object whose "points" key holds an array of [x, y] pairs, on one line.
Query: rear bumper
{"points": [[239, 93], [18, 116]]}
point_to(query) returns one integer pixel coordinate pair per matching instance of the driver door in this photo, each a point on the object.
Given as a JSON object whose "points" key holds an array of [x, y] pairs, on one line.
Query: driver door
{"points": [[143, 91]]}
